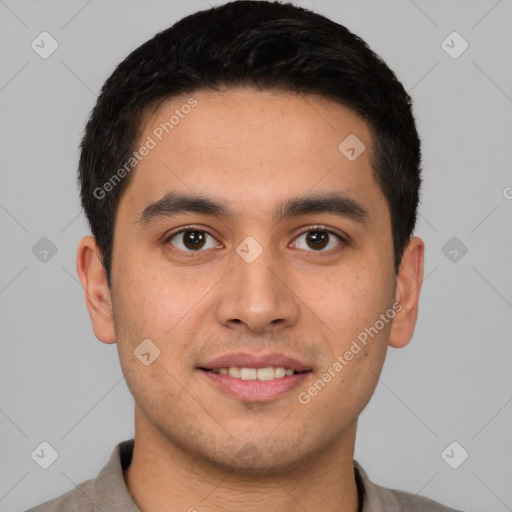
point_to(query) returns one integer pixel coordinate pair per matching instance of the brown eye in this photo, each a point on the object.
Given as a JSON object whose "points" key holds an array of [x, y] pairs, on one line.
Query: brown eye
{"points": [[318, 240], [192, 240]]}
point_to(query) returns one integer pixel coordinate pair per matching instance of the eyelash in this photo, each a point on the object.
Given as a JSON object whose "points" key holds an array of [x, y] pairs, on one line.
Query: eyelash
{"points": [[343, 240]]}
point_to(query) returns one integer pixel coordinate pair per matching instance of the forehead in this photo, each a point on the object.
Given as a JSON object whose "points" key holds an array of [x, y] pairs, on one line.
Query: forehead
{"points": [[253, 149]]}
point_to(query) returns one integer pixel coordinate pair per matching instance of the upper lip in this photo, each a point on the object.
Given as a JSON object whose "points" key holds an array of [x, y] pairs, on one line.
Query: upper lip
{"points": [[245, 360]]}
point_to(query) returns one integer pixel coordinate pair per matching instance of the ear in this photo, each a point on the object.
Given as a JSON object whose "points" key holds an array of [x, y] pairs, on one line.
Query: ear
{"points": [[92, 274], [407, 293]]}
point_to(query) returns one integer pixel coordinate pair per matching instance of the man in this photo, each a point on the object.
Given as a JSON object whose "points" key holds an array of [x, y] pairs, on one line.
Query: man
{"points": [[251, 178]]}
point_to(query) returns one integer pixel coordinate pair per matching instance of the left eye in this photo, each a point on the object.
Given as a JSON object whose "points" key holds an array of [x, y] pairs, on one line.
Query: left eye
{"points": [[192, 240], [318, 239]]}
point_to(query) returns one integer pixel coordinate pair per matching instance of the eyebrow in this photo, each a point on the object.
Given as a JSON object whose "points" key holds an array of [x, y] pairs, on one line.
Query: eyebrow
{"points": [[174, 204]]}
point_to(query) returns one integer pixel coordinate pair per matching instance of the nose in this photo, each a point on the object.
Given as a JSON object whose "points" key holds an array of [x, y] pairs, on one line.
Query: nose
{"points": [[257, 296]]}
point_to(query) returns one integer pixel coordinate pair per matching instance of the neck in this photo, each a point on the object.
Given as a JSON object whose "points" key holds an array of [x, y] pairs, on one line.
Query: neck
{"points": [[164, 477]]}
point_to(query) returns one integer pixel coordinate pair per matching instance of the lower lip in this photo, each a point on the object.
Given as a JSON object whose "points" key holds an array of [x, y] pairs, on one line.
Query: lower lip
{"points": [[256, 390]]}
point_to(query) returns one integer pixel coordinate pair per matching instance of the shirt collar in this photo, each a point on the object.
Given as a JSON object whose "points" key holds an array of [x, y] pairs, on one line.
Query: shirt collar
{"points": [[110, 489], [112, 495], [374, 497]]}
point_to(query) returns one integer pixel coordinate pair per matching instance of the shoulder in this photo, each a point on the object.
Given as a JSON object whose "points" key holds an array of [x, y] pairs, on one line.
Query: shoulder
{"points": [[376, 498], [77, 499], [408, 502], [106, 492]]}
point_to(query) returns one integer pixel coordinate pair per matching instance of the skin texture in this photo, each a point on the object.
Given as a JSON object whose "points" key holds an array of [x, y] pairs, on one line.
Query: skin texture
{"points": [[251, 150]]}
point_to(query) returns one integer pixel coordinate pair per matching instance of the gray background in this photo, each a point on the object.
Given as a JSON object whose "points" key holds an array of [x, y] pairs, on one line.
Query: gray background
{"points": [[452, 383]]}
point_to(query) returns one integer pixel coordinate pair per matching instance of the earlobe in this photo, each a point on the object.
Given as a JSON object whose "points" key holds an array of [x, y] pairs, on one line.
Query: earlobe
{"points": [[407, 293], [97, 294]]}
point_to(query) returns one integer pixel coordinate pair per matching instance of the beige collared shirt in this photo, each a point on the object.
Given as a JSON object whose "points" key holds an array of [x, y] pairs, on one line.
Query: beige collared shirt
{"points": [[108, 492]]}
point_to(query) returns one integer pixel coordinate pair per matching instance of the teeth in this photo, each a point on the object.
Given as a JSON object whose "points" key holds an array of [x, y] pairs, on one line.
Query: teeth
{"points": [[234, 371], [267, 373], [248, 373], [281, 372]]}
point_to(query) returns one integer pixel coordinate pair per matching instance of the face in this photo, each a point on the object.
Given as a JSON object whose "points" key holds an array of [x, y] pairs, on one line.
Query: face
{"points": [[286, 252]]}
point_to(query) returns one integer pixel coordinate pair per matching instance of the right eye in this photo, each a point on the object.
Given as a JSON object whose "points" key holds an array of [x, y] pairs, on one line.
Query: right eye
{"points": [[192, 240]]}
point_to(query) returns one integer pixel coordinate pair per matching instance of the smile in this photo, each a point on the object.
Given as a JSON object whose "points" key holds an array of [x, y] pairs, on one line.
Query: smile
{"points": [[266, 373], [255, 384]]}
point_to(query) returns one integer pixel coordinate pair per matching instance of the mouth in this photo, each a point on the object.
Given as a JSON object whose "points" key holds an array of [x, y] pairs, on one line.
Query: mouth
{"points": [[264, 384], [260, 377], [266, 373]]}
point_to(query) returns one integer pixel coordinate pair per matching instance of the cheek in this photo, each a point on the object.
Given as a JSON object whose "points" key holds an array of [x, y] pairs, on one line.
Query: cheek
{"points": [[150, 321], [165, 307], [151, 299], [349, 305], [348, 300]]}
